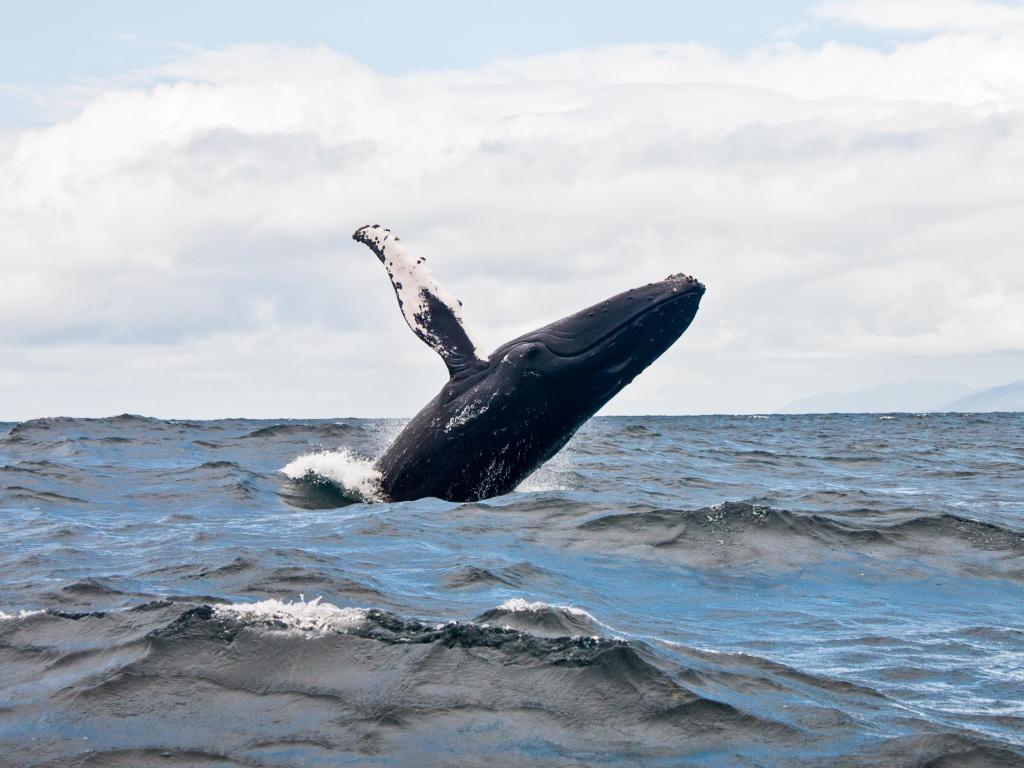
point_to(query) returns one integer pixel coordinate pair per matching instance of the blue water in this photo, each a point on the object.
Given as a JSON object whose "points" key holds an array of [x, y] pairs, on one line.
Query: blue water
{"points": [[668, 590]]}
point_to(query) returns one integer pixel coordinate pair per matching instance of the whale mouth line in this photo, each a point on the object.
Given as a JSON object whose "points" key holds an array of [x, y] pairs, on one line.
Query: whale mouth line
{"points": [[618, 329]]}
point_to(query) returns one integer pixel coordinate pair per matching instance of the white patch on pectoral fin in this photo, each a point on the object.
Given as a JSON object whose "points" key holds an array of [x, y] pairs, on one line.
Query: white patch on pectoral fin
{"points": [[433, 314]]}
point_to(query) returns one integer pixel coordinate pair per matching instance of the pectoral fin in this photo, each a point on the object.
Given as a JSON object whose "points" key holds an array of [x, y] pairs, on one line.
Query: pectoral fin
{"points": [[432, 313]]}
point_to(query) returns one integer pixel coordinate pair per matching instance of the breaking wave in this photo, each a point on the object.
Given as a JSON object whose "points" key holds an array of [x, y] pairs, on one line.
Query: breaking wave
{"points": [[335, 476], [542, 619], [358, 681]]}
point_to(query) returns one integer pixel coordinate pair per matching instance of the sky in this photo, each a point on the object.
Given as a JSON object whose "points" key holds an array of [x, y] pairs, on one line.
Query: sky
{"points": [[178, 189]]}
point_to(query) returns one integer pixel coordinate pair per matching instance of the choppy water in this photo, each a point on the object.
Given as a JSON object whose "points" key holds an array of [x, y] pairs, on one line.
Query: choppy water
{"points": [[791, 590]]}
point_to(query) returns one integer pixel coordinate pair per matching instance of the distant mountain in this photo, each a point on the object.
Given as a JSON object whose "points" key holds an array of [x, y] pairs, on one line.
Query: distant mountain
{"points": [[908, 396], [1008, 397]]}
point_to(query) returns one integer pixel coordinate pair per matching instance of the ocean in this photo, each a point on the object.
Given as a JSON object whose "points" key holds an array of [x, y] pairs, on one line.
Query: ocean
{"points": [[841, 590]]}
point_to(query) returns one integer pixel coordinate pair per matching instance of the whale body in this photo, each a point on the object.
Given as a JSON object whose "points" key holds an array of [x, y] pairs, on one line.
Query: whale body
{"points": [[502, 415]]}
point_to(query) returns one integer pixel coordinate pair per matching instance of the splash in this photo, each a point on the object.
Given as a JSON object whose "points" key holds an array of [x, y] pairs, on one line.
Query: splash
{"points": [[556, 474], [353, 475], [312, 616]]}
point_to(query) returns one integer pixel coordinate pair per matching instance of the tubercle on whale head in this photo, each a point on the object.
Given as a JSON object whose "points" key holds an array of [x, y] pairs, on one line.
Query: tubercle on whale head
{"points": [[689, 280]]}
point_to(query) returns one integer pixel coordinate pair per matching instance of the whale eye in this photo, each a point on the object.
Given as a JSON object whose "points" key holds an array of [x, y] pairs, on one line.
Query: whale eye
{"points": [[531, 354]]}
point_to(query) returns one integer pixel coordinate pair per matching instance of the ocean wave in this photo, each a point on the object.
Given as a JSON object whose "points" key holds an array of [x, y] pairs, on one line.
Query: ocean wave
{"points": [[316, 617], [332, 430], [312, 616], [22, 429], [474, 576], [289, 579], [744, 534], [514, 575], [313, 673], [357, 683], [542, 619], [21, 614], [25, 429], [245, 574], [667, 526], [49, 469], [958, 750], [91, 588], [517, 615], [355, 478], [23, 493]]}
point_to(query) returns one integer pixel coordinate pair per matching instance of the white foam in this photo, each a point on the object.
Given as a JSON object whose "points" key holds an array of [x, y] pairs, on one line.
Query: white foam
{"points": [[312, 616], [342, 468], [521, 605], [22, 614]]}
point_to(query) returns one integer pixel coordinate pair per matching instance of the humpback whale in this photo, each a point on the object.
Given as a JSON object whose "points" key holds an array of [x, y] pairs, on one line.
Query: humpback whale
{"points": [[500, 416]]}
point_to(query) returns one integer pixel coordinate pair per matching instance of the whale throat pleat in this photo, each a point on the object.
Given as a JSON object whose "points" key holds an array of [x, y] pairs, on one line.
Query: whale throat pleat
{"points": [[432, 313]]}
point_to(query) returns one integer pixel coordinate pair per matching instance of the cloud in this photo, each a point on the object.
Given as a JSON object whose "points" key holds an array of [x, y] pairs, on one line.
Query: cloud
{"points": [[915, 16], [841, 203]]}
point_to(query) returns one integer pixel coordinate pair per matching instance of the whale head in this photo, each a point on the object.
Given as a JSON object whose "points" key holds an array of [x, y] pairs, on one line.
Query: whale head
{"points": [[589, 356]]}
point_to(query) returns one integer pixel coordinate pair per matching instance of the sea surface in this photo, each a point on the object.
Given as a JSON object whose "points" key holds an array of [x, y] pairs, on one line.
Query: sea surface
{"points": [[843, 590]]}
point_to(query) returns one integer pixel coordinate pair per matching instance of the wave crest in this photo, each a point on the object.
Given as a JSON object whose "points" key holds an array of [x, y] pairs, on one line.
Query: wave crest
{"points": [[541, 619], [354, 477], [312, 616]]}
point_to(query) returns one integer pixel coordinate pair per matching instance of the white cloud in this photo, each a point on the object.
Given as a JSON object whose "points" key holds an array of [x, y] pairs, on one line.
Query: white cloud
{"points": [[841, 204], [924, 16]]}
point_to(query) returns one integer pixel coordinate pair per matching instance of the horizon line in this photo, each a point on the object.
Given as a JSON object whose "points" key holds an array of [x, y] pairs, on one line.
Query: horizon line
{"points": [[765, 414]]}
